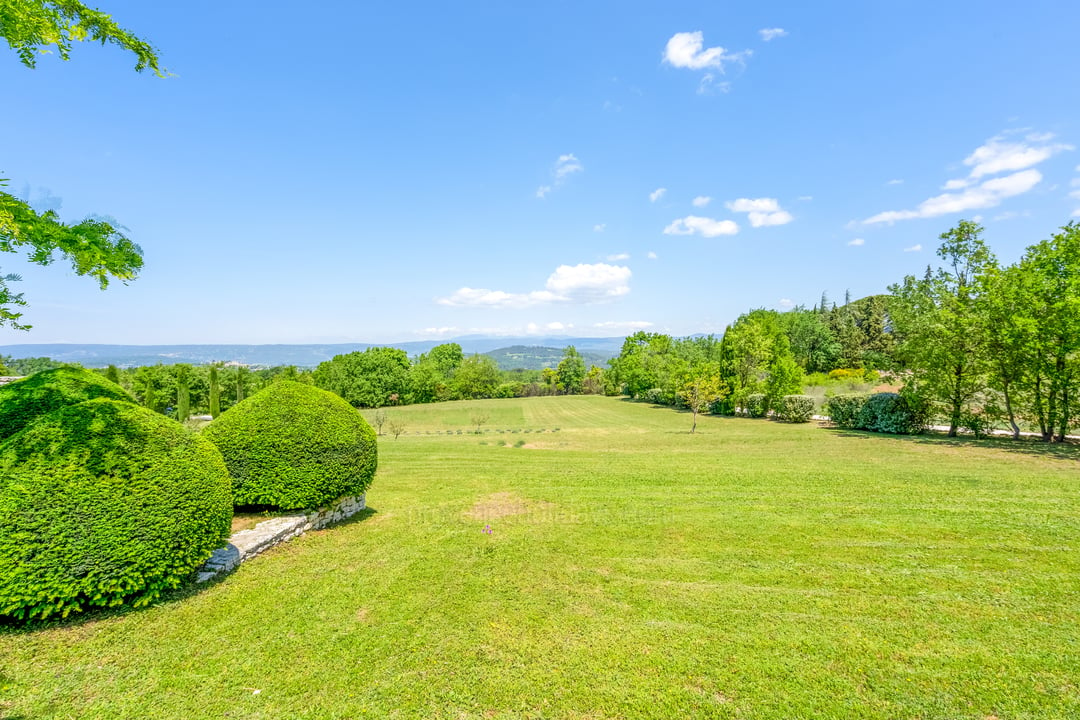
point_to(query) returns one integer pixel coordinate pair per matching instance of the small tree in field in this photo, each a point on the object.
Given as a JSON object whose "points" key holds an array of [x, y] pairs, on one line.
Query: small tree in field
{"points": [[380, 420], [396, 427], [479, 418], [702, 390]]}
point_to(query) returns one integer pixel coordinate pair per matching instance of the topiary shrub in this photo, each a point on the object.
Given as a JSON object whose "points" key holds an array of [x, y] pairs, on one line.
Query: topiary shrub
{"points": [[755, 405], [25, 400], [104, 503], [890, 413], [796, 408], [294, 446], [843, 410]]}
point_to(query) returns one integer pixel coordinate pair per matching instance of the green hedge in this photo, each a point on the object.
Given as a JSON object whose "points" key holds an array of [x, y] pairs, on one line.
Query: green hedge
{"points": [[796, 408], [105, 503], [22, 401], [755, 405], [294, 446], [891, 413], [843, 410]]}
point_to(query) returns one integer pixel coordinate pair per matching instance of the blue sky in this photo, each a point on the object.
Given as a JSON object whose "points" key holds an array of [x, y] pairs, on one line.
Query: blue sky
{"points": [[401, 171]]}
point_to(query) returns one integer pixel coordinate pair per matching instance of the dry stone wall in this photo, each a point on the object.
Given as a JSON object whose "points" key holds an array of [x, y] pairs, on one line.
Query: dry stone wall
{"points": [[246, 544]]}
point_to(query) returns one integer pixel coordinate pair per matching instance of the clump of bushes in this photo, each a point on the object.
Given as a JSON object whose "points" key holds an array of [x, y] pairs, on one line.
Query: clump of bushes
{"points": [[888, 412], [892, 413], [25, 400], [844, 410], [796, 408], [755, 405], [104, 503], [294, 446]]}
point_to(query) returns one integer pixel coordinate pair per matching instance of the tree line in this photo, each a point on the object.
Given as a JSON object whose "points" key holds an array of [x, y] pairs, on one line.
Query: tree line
{"points": [[973, 343]]}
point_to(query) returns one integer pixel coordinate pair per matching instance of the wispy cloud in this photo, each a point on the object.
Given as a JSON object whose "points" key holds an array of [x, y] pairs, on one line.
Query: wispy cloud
{"points": [[578, 284], [768, 34], [913, 248], [1004, 153], [618, 257], [857, 242], [564, 167], [895, 181], [657, 194], [761, 212], [706, 227], [623, 325], [985, 195], [701, 201], [785, 303], [599, 227], [651, 255]]}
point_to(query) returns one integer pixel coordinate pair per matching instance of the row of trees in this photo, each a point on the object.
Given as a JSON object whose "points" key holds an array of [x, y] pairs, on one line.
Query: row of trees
{"points": [[386, 376], [985, 342]]}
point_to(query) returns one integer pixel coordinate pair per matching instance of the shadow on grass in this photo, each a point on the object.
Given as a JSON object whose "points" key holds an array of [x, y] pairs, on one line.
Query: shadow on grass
{"points": [[1069, 450], [189, 589]]}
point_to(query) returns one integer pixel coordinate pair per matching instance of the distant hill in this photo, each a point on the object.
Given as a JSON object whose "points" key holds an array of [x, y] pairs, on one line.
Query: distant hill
{"points": [[535, 357], [299, 355]]}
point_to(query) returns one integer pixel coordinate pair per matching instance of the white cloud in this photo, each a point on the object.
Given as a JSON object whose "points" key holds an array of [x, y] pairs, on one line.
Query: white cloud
{"points": [[785, 304], [747, 205], [706, 227], [895, 181], [623, 325], [999, 155], [701, 201], [599, 227], [567, 165], [438, 331], [657, 194], [564, 167], [768, 34], [806, 198], [913, 248], [579, 284], [988, 194], [708, 84], [617, 257], [761, 212], [857, 242], [651, 255], [687, 50], [558, 326]]}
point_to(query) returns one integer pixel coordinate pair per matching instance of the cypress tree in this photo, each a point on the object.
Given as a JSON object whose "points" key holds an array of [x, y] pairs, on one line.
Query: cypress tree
{"points": [[215, 392], [183, 393]]}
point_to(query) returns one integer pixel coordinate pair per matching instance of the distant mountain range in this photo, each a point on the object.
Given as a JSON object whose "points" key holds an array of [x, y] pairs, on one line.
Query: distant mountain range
{"points": [[530, 352]]}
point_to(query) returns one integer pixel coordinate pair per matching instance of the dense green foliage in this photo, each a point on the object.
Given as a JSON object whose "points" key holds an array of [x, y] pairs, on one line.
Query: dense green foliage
{"points": [[375, 377], [25, 400], [844, 410], [104, 503], [894, 413], [795, 408], [30, 27], [985, 343], [294, 446], [28, 366], [756, 405]]}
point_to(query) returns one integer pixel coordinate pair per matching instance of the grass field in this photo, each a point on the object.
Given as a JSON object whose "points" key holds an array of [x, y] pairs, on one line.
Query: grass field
{"points": [[753, 570]]}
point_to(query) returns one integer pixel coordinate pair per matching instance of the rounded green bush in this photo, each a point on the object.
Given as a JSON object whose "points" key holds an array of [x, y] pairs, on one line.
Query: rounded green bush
{"points": [[796, 408], [103, 503], [23, 401], [294, 446], [890, 413], [844, 410]]}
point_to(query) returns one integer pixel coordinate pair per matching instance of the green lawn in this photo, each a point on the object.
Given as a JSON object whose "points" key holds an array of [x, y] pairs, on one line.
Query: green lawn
{"points": [[754, 570]]}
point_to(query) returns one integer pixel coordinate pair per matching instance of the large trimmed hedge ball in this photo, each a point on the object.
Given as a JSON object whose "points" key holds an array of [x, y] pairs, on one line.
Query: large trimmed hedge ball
{"points": [[294, 446], [104, 503], [23, 401]]}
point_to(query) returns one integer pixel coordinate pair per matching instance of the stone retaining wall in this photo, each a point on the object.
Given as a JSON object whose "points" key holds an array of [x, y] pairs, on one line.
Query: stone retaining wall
{"points": [[246, 544]]}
